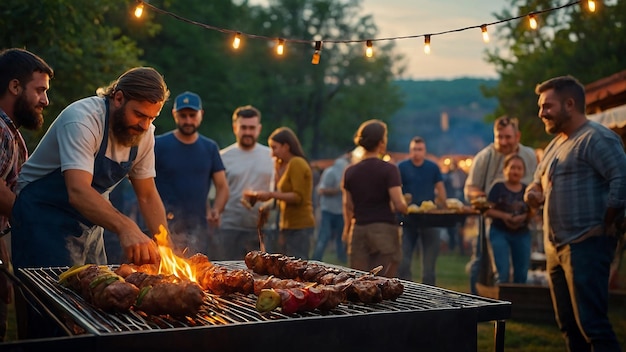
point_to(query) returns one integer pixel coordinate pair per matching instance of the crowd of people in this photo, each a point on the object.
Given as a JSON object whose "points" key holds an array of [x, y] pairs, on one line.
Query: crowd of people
{"points": [[55, 204]]}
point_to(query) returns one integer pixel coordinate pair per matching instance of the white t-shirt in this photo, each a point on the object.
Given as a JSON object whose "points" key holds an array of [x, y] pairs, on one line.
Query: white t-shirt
{"points": [[245, 170], [73, 141]]}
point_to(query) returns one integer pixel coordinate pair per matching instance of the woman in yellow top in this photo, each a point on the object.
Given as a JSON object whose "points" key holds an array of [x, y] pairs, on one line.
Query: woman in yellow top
{"points": [[294, 193]]}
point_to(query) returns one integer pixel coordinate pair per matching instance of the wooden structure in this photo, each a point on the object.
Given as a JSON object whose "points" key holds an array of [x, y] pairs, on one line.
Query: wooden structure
{"points": [[606, 102]]}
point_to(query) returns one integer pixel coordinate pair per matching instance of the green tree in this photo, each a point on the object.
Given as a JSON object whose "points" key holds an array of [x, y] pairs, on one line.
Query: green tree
{"points": [[588, 46], [323, 103], [76, 39]]}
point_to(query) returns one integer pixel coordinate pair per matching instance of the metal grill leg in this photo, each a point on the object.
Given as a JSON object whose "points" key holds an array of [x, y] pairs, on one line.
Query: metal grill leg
{"points": [[498, 332]]}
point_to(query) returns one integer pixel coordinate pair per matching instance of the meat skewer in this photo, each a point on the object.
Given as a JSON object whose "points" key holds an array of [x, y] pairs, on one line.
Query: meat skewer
{"points": [[101, 287], [159, 294], [153, 294], [294, 296], [366, 288]]}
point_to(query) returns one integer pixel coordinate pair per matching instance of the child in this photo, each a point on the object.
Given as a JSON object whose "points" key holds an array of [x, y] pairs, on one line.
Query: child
{"points": [[509, 233]]}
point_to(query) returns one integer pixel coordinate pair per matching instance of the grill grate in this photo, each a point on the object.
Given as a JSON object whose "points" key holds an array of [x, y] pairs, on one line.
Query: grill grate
{"points": [[237, 308]]}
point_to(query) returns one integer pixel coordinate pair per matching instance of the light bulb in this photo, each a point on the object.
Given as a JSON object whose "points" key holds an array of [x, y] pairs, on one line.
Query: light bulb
{"points": [[316, 58], [427, 44], [139, 10], [591, 4], [280, 48], [237, 40], [369, 51], [483, 29], [532, 21], [316, 55]]}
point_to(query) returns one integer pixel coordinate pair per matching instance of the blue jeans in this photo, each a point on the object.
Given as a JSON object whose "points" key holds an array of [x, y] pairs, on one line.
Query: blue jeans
{"points": [[296, 242], [515, 246], [429, 244], [578, 275], [331, 226]]}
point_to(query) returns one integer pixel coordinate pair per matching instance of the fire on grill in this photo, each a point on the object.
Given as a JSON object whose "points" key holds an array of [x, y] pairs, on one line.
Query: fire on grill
{"points": [[175, 286]]}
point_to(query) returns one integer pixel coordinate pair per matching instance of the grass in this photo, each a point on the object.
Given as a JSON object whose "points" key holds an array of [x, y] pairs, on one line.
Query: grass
{"points": [[519, 336]]}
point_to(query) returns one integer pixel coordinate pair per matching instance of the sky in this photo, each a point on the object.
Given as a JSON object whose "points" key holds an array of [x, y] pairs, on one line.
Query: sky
{"points": [[453, 55]]}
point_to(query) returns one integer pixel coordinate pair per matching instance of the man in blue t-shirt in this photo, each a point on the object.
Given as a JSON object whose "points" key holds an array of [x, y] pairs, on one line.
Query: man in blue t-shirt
{"points": [[421, 179], [186, 164]]}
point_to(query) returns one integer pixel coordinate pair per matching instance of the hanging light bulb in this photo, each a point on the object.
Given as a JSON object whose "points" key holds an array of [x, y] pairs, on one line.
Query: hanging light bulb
{"points": [[139, 10], [483, 29], [316, 55], [237, 40], [427, 44], [280, 48], [369, 50], [591, 5], [532, 21]]}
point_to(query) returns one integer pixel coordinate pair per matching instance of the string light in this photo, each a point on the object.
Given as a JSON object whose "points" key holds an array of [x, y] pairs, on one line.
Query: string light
{"points": [[427, 44], [483, 29], [369, 50], [139, 10], [316, 55], [280, 48], [591, 5], [237, 40], [532, 21]]}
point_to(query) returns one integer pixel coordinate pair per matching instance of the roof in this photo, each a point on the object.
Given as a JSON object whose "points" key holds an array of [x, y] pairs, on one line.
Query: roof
{"points": [[606, 93]]}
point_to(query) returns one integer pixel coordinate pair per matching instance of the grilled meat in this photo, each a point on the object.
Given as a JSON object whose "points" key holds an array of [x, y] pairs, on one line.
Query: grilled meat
{"points": [[220, 280], [102, 288], [365, 288]]}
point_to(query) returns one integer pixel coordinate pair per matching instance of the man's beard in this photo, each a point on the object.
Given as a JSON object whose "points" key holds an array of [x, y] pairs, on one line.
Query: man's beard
{"points": [[247, 141], [558, 120], [121, 131], [187, 129], [26, 115]]}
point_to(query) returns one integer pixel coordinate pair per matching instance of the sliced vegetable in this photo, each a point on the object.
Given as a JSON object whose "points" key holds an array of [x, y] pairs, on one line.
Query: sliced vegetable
{"points": [[142, 293], [268, 300], [76, 269], [107, 279]]}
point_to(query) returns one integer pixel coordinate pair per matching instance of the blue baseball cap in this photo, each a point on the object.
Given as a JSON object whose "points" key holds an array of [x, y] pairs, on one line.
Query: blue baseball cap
{"points": [[188, 100]]}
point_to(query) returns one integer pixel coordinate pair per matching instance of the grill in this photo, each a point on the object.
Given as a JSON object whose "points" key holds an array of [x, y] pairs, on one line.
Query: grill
{"points": [[424, 317]]}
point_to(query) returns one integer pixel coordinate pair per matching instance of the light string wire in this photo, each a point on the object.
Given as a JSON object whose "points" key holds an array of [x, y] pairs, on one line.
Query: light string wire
{"points": [[348, 41]]}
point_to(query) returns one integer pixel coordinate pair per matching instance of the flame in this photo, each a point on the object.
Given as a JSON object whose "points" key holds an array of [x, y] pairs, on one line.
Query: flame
{"points": [[171, 264]]}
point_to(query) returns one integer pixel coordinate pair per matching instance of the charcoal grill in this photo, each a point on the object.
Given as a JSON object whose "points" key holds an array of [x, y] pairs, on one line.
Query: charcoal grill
{"points": [[423, 318]]}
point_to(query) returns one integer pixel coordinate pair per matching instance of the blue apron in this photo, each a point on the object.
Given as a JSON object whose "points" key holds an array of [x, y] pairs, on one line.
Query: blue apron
{"points": [[48, 231]]}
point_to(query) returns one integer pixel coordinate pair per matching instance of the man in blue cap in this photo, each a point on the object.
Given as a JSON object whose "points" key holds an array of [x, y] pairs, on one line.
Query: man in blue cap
{"points": [[186, 165]]}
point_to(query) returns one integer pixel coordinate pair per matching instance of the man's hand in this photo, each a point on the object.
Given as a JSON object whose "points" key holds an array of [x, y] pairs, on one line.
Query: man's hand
{"points": [[214, 218], [139, 248], [534, 195]]}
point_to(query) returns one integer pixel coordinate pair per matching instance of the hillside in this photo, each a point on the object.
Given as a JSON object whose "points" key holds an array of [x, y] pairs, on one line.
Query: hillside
{"points": [[425, 103]]}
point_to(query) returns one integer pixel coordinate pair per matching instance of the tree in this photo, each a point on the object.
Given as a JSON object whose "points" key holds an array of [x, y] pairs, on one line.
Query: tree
{"points": [[78, 41], [571, 41], [323, 103]]}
